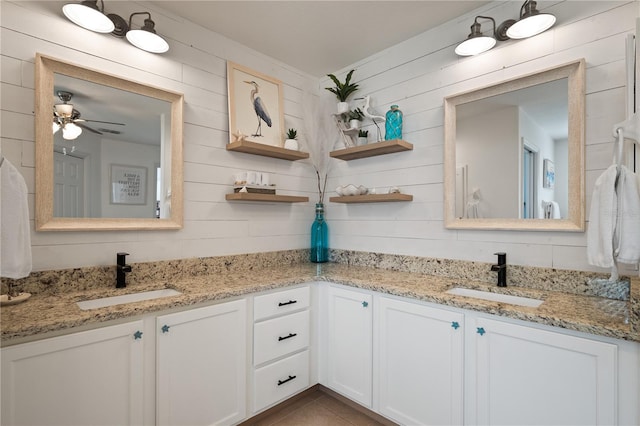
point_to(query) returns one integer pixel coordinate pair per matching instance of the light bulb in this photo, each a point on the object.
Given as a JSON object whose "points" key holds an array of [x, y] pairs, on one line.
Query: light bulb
{"points": [[148, 41], [88, 17], [71, 131], [475, 46]]}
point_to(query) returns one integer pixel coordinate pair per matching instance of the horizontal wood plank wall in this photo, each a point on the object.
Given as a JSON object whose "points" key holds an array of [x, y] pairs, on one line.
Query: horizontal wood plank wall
{"points": [[418, 73], [195, 66], [415, 74]]}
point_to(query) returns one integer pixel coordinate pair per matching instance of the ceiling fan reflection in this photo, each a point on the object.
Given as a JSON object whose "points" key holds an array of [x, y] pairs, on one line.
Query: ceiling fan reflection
{"points": [[66, 117]]}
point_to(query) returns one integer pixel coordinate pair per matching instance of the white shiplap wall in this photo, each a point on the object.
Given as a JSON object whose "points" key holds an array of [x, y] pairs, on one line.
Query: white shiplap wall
{"points": [[415, 74], [195, 66], [419, 72]]}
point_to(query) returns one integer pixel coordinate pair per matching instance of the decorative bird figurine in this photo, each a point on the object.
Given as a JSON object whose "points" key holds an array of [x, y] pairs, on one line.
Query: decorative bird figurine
{"points": [[367, 113], [261, 111]]}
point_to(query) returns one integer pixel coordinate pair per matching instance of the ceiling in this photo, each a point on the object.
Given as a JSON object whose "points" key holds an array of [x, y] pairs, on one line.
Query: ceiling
{"points": [[318, 37]]}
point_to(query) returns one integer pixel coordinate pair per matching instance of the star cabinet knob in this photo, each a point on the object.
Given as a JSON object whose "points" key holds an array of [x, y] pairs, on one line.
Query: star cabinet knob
{"points": [[165, 328], [455, 325], [137, 335], [365, 304]]}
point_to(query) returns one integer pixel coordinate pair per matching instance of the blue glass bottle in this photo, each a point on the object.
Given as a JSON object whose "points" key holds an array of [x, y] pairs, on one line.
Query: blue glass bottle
{"points": [[393, 124], [319, 237]]}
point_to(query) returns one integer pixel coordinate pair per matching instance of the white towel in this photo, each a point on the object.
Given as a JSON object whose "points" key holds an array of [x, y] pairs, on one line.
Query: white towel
{"points": [[15, 238], [555, 211], [627, 234], [602, 220]]}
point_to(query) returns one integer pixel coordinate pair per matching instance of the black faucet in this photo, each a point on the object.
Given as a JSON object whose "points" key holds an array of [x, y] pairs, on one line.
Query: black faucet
{"points": [[122, 270], [501, 267]]}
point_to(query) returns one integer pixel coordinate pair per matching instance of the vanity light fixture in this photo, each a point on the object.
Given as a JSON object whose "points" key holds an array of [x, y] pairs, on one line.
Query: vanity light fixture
{"points": [[531, 23], [477, 42], [88, 15], [146, 38]]}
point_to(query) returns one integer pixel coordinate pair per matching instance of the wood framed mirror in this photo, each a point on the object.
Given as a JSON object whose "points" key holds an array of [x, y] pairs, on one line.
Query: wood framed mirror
{"points": [[514, 153], [124, 169]]}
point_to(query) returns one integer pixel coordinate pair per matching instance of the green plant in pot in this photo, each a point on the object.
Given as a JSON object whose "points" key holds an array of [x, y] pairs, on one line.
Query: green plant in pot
{"points": [[363, 136], [342, 90], [355, 116], [290, 141]]}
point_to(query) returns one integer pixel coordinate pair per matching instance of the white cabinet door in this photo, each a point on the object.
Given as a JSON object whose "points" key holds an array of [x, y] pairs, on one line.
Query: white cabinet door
{"points": [[349, 344], [525, 375], [89, 378], [421, 359], [201, 363]]}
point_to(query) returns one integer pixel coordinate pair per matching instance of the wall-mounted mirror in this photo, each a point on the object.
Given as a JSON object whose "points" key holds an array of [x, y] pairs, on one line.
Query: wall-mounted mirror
{"points": [[514, 153], [108, 151]]}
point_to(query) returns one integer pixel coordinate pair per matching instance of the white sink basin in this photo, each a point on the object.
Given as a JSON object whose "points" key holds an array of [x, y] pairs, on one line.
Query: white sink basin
{"points": [[496, 297], [126, 298]]}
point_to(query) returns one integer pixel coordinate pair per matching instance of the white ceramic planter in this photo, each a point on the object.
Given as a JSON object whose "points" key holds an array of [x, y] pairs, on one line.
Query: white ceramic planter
{"points": [[291, 144], [354, 124], [362, 140], [343, 107]]}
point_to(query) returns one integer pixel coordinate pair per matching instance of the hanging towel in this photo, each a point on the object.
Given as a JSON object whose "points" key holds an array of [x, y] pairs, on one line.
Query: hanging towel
{"points": [[602, 220], [15, 238], [555, 210], [627, 234]]}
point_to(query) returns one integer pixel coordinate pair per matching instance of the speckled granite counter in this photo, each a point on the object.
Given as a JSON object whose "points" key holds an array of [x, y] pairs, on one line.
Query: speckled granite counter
{"points": [[56, 311]]}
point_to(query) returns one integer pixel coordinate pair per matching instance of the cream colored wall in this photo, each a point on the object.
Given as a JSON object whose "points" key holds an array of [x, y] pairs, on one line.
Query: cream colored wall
{"points": [[195, 66], [416, 75], [419, 72]]}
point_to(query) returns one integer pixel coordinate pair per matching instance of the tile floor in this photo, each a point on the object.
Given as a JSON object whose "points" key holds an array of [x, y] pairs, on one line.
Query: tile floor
{"points": [[317, 409]]}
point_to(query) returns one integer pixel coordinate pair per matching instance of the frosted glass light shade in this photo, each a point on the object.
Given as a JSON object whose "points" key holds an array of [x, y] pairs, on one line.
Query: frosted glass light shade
{"points": [[55, 127], [88, 17], [64, 110], [475, 46], [531, 26], [70, 131], [147, 41]]}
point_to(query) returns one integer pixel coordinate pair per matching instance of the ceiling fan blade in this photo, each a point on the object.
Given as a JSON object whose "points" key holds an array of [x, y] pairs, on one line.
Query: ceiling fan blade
{"points": [[104, 122], [84, 126]]}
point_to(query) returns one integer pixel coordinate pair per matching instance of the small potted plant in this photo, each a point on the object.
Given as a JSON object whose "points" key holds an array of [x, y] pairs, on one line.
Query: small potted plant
{"points": [[342, 91], [355, 116], [363, 135], [291, 142]]}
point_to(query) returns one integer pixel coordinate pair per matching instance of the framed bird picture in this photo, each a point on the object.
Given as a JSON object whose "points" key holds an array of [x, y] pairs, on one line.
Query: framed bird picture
{"points": [[255, 106]]}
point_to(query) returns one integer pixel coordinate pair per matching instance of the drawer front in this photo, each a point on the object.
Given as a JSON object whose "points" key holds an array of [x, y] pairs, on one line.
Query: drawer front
{"points": [[280, 380], [280, 336], [280, 302]]}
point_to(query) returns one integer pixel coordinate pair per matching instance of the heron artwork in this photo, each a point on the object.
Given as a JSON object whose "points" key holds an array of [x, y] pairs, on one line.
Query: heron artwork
{"points": [[258, 106]]}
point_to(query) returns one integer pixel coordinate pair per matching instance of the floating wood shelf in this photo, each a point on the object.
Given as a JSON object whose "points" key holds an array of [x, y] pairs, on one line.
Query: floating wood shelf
{"points": [[266, 150], [245, 196], [372, 149], [372, 198]]}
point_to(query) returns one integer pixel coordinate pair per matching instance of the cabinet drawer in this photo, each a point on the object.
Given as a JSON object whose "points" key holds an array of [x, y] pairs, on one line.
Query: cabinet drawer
{"points": [[280, 380], [280, 336], [281, 302]]}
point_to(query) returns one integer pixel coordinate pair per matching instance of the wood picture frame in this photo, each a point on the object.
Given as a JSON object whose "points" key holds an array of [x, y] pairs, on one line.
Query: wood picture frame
{"points": [[256, 112]]}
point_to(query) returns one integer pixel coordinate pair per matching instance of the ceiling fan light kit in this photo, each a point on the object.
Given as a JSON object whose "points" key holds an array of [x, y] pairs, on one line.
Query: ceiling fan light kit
{"points": [[530, 23], [89, 15]]}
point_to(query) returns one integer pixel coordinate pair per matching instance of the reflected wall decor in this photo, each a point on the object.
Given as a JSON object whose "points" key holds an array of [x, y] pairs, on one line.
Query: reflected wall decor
{"points": [[549, 174], [255, 106], [128, 184]]}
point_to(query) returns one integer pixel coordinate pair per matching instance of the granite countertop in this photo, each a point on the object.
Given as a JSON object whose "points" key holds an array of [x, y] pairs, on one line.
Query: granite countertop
{"points": [[56, 312]]}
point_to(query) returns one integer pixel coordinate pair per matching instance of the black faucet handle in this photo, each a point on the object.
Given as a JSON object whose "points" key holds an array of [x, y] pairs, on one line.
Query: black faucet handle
{"points": [[502, 257], [121, 258]]}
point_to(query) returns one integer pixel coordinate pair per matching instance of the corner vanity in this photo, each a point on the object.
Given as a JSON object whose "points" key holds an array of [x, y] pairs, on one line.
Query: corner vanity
{"points": [[232, 345]]}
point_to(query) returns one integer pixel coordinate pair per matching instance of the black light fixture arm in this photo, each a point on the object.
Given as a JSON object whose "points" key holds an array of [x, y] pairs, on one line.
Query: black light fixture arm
{"points": [[148, 23], [499, 33]]}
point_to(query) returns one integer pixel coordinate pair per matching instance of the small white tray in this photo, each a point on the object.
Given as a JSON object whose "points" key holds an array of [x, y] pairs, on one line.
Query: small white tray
{"points": [[21, 297]]}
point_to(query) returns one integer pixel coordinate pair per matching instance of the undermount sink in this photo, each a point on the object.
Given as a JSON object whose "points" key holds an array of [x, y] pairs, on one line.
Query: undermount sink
{"points": [[496, 297], [86, 305]]}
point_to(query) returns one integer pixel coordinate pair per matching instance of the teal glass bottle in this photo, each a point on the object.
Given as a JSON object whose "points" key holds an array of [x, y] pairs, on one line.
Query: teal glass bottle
{"points": [[393, 124], [319, 237]]}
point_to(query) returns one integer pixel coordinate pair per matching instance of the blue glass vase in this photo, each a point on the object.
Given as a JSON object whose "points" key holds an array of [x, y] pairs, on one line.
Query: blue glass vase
{"points": [[393, 124], [319, 237]]}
